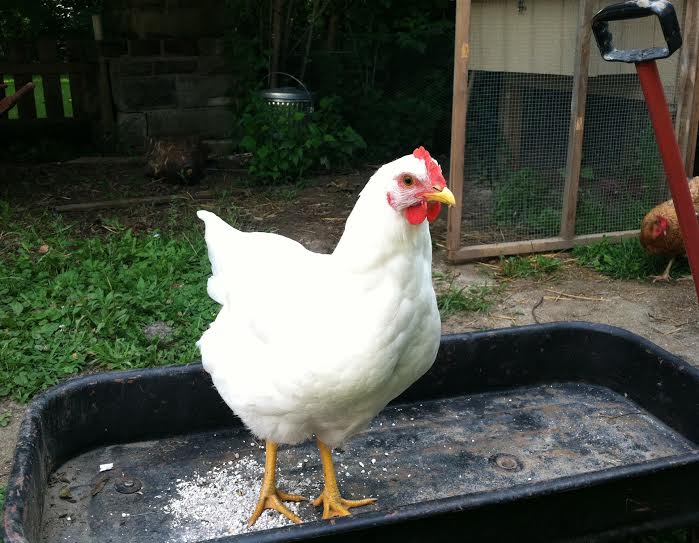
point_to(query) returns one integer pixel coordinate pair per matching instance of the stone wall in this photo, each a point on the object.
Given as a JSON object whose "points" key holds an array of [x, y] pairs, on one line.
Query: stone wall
{"points": [[172, 87], [164, 18]]}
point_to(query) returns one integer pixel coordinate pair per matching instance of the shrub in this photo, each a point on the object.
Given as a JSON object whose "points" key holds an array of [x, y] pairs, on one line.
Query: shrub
{"points": [[286, 144]]}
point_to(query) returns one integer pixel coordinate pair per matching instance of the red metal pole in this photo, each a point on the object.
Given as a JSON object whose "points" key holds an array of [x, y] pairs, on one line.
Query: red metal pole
{"points": [[672, 162]]}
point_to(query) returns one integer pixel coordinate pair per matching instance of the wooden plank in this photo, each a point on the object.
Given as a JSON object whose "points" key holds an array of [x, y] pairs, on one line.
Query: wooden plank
{"points": [[685, 128], [48, 54], [477, 252], [77, 87], [129, 202], [2, 94], [9, 101], [34, 67], [21, 52], [690, 159], [511, 119], [26, 108], [458, 121], [577, 119]]}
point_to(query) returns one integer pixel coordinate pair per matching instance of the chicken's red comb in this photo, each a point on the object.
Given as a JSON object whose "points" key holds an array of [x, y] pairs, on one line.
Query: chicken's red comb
{"points": [[434, 171]]}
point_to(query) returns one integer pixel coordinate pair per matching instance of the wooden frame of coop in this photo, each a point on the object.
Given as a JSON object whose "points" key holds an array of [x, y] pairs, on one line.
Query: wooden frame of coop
{"points": [[686, 123]]}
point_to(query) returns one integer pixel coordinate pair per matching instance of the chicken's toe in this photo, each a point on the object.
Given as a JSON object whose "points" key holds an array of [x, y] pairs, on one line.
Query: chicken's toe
{"points": [[337, 506], [273, 500]]}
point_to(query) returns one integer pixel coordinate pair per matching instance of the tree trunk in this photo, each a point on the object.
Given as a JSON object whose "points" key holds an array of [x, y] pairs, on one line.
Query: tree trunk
{"points": [[276, 39], [331, 43]]}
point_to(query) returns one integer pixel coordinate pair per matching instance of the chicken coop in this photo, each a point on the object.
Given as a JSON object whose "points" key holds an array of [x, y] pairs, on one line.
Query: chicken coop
{"points": [[551, 146]]}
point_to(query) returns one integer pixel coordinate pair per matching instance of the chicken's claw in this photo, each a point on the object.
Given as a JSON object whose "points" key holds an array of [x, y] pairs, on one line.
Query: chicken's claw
{"points": [[337, 506], [272, 499], [665, 276]]}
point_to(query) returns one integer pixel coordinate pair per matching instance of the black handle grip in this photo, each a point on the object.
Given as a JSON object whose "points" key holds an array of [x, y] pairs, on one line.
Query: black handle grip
{"points": [[635, 9]]}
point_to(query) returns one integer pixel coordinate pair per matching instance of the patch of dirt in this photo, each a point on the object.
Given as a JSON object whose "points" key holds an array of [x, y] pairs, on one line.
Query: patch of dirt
{"points": [[667, 314], [8, 437]]}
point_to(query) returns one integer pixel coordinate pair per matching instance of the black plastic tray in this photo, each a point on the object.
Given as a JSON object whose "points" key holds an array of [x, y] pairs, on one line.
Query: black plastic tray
{"points": [[550, 432]]}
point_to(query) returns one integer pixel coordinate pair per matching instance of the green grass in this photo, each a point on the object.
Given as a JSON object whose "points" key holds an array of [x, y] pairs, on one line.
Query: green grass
{"points": [[529, 266], [83, 305], [625, 260], [470, 299]]}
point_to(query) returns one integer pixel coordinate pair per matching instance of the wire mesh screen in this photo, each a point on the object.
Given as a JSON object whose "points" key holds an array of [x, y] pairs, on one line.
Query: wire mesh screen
{"points": [[622, 177], [518, 121]]}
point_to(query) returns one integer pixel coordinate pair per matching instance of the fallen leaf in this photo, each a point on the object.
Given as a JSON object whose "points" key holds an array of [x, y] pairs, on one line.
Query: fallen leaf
{"points": [[99, 485]]}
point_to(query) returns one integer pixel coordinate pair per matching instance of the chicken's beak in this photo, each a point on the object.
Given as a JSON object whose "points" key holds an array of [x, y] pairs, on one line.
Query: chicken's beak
{"points": [[444, 196]]}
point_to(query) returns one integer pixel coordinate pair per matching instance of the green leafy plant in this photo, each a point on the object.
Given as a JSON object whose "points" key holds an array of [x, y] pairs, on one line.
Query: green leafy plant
{"points": [[5, 418], [624, 260], [529, 266], [287, 144]]}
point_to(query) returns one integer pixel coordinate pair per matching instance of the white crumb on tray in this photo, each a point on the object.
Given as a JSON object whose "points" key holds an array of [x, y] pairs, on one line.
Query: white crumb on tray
{"points": [[219, 502]]}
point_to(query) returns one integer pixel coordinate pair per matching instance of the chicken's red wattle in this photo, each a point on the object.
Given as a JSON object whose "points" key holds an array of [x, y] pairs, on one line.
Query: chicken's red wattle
{"points": [[424, 210]]}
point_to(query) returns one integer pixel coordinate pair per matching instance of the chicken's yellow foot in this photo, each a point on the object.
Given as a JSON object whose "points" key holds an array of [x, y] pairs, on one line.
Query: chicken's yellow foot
{"points": [[333, 504], [270, 496], [665, 277]]}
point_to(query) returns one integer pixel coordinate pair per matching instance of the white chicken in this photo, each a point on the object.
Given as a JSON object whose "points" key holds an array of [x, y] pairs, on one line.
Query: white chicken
{"points": [[311, 344]]}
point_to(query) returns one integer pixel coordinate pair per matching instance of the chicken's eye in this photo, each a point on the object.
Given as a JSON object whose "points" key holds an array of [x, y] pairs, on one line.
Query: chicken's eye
{"points": [[408, 181]]}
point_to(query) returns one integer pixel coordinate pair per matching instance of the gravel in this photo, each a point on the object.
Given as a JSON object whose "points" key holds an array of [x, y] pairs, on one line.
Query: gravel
{"points": [[219, 502]]}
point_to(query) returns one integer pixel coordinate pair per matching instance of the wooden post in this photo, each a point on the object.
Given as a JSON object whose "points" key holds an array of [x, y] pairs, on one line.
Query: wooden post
{"points": [[277, 9], [511, 119], [76, 56], [48, 53], [685, 119], [2, 94], [690, 159], [20, 52], [459, 105], [577, 119], [105, 101]]}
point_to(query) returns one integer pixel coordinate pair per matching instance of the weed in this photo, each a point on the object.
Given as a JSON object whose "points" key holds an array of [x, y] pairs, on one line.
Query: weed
{"points": [[470, 299], [523, 200], [5, 418], [287, 193], [83, 304], [529, 266], [624, 260]]}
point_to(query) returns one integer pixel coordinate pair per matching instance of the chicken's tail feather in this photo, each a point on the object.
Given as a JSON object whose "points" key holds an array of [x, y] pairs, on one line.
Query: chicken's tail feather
{"points": [[221, 239]]}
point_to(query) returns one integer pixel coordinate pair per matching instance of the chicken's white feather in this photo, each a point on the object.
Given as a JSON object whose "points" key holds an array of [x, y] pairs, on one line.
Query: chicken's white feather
{"points": [[312, 344]]}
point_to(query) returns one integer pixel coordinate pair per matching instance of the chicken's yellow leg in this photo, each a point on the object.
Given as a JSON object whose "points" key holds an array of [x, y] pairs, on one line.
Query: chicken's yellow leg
{"points": [[334, 505], [270, 496], [666, 274]]}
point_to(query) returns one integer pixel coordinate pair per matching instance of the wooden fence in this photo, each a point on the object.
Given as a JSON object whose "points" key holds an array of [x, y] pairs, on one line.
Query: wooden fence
{"points": [[68, 108]]}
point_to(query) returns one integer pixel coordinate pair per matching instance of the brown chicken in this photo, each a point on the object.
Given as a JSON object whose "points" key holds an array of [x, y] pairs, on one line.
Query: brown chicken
{"points": [[177, 160], [660, 230]]}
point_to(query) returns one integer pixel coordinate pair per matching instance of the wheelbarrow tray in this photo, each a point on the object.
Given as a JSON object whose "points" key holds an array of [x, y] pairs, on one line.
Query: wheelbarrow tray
{"points": [[548, 432]]}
